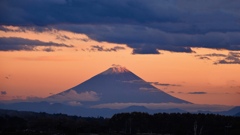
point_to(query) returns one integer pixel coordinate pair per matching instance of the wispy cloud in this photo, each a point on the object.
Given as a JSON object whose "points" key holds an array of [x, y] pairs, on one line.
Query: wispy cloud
{"points": [[149, 89], [207, 56], [204, 58], [18, 44], [197, 92], [165, 84], [103, 49], [212, 55], [72, 95], [3, 93], [171, 91], [231, 58], [135, 81]]}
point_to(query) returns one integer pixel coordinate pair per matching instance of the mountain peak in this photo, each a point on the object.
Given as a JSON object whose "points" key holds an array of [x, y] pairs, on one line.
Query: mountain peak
{"points": [[116, 69]]}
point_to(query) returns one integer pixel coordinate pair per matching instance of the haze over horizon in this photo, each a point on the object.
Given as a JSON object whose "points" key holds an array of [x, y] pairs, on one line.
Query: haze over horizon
{"points": [[188, 49]]}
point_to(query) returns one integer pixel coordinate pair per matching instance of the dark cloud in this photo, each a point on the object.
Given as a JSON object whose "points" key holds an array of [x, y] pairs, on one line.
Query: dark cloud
{"points": [[212, 55], [145, 26], [3, 93], [204, 58], [164, 84], [18, 44], [48, 49], [62, 37], [197, 92], [171, 92], [231, 58], [145, 50], [101, 48], [7, 77]]}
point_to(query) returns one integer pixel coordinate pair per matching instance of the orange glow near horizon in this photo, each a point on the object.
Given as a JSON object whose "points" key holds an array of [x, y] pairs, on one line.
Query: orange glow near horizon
{"points": [[40, 74]]}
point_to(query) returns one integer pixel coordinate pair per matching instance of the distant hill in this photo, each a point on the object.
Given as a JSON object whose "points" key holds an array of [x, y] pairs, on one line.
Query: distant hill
{"points": [[80, 111], [237, 114], [231, 112]]}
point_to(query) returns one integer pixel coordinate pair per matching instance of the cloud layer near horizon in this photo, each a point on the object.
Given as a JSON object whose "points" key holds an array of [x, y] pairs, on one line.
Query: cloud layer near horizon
{"points": [[73, 96], [145, 26]]}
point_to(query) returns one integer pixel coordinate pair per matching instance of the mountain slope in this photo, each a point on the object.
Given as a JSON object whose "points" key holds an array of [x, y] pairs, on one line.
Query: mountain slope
{"points": [[117, 84]]}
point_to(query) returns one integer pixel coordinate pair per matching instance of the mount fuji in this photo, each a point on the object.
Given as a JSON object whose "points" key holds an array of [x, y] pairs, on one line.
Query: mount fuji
{"points": [[113, 91], [115, 85]]}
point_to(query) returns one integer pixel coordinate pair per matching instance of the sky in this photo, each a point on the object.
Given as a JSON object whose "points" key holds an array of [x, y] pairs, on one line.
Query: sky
{"points": [[188, 49]]}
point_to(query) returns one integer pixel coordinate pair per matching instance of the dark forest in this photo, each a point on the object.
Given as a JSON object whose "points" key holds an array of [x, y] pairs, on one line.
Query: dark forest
{"points": [[31, 123]]}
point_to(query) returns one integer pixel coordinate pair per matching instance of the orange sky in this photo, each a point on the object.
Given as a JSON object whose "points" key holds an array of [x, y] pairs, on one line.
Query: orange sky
{"points": [[40, 74]]}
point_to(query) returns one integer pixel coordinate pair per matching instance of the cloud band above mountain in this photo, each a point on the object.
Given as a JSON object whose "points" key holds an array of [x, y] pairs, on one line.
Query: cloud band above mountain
{"points": [[145, 26]]}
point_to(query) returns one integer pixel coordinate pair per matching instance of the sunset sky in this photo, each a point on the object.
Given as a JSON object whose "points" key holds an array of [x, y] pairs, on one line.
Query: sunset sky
{"points": [[189, 49]]}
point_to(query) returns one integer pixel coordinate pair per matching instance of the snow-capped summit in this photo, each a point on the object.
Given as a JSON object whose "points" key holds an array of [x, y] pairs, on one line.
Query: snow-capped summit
{"points": [[116, 69]]}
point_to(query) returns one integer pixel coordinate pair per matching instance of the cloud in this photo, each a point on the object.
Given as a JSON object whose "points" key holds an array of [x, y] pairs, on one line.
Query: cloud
{"points": [[207, 56], [72, 95], [102, 49], [197, 92], [7, 77], [48, 49], [164, 84], [204, 58], [3, 93], [146, 27], [75, 103], [183, 106], [215, 55], [171, 92], [62, 37], [18, 44], [231, 58], [145, 50], [135, 81], [149, 89]]}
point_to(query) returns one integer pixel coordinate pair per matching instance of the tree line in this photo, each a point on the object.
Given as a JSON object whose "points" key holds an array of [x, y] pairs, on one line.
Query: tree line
{"points": [[13, 122]]}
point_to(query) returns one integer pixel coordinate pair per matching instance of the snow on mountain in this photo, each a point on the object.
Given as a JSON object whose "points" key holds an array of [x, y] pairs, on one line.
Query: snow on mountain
{"points": [[115, 69]]}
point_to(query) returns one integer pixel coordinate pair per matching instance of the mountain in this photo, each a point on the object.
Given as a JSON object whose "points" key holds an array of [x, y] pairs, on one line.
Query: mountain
{"points": [[115, 85], [234, 111], [237, 114], [113, 91]]}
